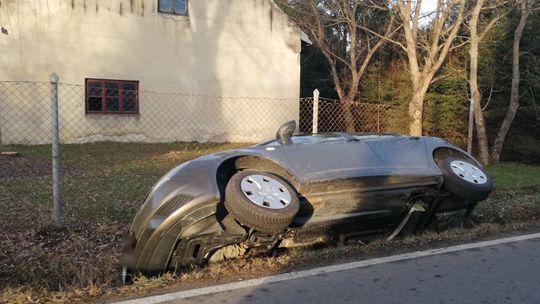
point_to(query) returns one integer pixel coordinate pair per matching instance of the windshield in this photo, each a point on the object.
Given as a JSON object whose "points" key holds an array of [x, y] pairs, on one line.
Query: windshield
{"points": [[310, 139], [370, 137], [332, 137], [316, 138]]}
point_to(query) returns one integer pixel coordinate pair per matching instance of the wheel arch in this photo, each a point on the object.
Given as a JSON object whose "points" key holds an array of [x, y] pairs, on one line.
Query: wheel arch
{"points": [[441, 153]]}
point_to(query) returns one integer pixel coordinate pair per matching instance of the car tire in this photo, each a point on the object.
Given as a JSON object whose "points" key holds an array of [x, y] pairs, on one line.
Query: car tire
{"points": [[261, 200], [465, 179]]}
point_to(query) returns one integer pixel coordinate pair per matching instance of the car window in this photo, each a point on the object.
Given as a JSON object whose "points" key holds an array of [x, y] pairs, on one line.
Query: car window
{"points": [[370, 137], [316, 138], [331, 137], [309, 139]]}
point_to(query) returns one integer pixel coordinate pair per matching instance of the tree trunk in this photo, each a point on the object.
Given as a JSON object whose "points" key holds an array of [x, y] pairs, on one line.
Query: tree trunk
{"points": [[514, 96], [347, 104], [346, 99], [483, 148], [348, 116], [481, 134], [416, 110]]}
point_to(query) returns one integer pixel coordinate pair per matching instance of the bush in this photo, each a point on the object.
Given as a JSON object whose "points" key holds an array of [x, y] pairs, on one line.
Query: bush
{"points": [[522, 148]]}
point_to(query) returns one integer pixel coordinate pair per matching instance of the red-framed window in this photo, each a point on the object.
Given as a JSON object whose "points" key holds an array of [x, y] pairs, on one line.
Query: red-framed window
{"points": [[177, 7], [108, 96]]}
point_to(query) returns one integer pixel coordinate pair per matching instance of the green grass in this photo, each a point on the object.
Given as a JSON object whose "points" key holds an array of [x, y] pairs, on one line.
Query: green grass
{"points": [[516, 196], [514, 176], [102, 182], [103, 185]]}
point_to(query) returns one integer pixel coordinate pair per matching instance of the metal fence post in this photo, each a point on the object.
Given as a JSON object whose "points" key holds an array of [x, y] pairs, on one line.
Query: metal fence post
{"points": [[315, 122], [57, 207], [471, 126]]}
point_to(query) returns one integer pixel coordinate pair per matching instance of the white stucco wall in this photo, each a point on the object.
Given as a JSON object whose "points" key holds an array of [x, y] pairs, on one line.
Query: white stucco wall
{"points": [[224, 48]]}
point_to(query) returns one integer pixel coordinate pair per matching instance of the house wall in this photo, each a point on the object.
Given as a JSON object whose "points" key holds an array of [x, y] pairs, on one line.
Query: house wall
{"points": [[224, 48]]}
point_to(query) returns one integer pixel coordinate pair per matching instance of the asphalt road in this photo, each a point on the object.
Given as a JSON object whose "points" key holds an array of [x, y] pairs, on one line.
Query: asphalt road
{"points": [[504, 273]]}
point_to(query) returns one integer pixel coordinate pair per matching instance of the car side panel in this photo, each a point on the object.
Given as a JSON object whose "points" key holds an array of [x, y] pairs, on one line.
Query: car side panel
{"points": [[401, 154], [333, 160], [367, 180]]}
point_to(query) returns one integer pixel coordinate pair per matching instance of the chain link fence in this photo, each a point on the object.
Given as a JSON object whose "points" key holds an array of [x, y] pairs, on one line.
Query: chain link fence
{"points": [[110, 112], [113, 111], [105, 112], [335, 116], [522, 142]]}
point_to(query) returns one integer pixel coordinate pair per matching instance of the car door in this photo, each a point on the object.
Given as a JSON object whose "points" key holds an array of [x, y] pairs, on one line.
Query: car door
{"points": [[401, 155], [332, 158]]}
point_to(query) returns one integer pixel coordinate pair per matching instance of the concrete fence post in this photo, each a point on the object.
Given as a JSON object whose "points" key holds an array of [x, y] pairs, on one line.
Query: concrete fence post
{"points": [[55, 142], [471, 126], [315, 122]]}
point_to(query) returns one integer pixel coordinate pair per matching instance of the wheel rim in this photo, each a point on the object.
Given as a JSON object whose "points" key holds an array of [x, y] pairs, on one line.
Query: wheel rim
{"points": [[265, 191], [468, 172]]}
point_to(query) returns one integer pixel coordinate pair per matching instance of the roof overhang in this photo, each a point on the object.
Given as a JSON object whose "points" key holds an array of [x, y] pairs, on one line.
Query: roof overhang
{"points": [[305, 38]]}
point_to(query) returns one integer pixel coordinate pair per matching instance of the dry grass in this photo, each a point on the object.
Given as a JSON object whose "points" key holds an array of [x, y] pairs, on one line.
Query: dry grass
{"points": [[509, 208], [50, 264], [103, 185], [58, 258]]}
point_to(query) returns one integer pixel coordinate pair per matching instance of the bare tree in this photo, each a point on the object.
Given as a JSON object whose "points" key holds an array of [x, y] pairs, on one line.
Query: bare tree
{"points": [[427, 53], [426, 46], [477, 33], [348, 33], [525, 8]]}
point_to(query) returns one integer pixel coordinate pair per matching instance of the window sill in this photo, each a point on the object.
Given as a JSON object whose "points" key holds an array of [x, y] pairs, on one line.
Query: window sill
{"points": [[112, 113], [174, 16]]}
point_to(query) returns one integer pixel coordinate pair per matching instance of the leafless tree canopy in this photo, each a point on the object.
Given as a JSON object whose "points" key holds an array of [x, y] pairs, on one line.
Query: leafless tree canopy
{"points": [[427, 40], [348, 33]]}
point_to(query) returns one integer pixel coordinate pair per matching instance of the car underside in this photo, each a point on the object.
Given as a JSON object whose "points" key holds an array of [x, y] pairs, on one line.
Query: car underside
{"points": [[282, 195]]}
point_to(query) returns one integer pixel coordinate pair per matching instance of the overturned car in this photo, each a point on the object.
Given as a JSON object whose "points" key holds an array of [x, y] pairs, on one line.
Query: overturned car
{"points": [[300, 190]]}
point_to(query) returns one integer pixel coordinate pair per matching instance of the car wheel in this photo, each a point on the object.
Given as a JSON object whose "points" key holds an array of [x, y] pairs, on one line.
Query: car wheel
{"points": [[261, 200], [465, 179]]}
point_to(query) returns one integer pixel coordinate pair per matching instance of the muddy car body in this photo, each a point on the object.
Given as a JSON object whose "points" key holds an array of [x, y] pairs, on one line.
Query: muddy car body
{"points": [[301, 190]]}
